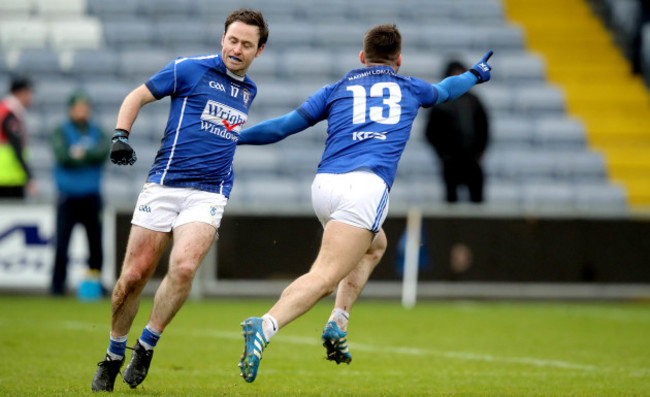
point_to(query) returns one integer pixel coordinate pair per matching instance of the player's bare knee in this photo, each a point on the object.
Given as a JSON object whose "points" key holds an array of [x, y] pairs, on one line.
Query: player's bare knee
{"points": [[132, 276], [182, 273]]}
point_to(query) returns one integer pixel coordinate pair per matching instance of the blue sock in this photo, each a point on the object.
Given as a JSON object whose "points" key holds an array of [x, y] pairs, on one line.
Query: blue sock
{"points": [[117, 347], [149, 337]]}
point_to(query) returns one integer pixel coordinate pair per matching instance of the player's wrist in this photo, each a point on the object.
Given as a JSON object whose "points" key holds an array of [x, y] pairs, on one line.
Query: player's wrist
{"points": [[120, 133]]}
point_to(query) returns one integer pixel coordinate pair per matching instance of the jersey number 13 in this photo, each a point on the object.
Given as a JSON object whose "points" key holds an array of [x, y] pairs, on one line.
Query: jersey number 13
{"points": [[376, 113]]}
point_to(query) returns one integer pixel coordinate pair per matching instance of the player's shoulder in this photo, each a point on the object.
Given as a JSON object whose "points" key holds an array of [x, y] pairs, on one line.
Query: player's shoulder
{"points": [[200, 61]]}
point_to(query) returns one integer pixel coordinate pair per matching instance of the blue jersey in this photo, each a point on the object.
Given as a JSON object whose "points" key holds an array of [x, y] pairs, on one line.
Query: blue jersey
{"points": [[369, 114], [209, 104]]}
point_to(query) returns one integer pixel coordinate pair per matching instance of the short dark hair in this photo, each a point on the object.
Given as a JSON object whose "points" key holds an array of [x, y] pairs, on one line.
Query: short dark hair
{"points": [[250, 17], [382, 44], [19, 83]]}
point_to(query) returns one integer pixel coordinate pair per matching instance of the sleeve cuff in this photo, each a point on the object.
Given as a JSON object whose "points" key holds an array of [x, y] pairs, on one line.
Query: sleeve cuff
{"points": [[305, 115], [153, 90]]}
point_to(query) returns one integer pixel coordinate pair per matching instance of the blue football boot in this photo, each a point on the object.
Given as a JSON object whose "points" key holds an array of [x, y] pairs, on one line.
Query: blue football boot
{"points": [[254, 344], [336, 344]]}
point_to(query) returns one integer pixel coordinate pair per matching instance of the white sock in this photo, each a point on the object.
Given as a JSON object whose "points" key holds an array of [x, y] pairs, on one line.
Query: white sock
{"points": [[341, 318], [269, 326]]}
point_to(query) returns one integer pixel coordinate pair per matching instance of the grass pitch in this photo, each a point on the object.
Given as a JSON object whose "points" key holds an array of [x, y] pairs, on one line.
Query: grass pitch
{"points": [[50, 347]]}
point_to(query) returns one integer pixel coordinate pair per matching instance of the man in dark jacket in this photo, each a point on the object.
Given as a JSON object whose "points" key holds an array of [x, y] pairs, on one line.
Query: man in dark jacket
{"points": [[80, 148], [458, 131]]}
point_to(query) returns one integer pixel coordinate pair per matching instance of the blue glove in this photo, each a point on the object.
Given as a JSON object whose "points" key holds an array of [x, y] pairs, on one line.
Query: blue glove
{"points": [[482, 70], [121, 152]]}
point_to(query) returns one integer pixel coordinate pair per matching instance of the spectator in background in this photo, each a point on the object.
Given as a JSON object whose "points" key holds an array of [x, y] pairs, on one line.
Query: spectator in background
{"points": [[80, 148], [458, 131], [15, 175]]}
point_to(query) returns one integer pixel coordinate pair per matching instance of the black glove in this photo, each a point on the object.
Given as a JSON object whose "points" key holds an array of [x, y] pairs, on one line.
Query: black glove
{"points": [[121, 152], [482, 70]]}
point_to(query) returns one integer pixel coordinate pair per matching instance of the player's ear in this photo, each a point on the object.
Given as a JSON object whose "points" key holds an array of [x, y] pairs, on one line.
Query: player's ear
{"points": [[362, 57], [399, 61], [223, 37], [259, 50]]}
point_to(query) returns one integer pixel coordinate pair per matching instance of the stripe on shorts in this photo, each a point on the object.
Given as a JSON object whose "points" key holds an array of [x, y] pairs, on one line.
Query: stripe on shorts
{"points": [[380, 211]]}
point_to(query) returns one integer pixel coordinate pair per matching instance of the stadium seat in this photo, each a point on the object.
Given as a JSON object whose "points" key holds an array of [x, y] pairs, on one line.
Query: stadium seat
{"points": [[118, 189], [512, 133], [539, 100], [23, 33], [478, 11], [262, 191], [338, 35], [424, 66], [168, 8], [419, 191], [446, 37], [10, 9], [35, 126], [520, 166], [347, 60], [60, 8], [4, 67], [94, 63], [559, 133], [112, 9], [39, 62], [266, 67], [333, 11], [41, 156], [580, 166], [52, 96], [428, 12], [129, 33], [518, 68], [496, 98], [107, 93], [600, 197], [418, 160], [182, 32], [298, 159], [257, 159], [291, 35], [548, 196], [277, 94], [213, 11], [497, 38], [140, 65], [503, 195], [76, 34], [301, 66]]}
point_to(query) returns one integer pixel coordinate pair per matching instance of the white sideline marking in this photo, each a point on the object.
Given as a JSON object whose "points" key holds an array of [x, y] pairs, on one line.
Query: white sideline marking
{"points": [[301, 340], [413, 351]]}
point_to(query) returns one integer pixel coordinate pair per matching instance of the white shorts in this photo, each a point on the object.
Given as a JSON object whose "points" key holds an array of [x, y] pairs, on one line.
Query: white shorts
{"points": [[162, 208], [358, 198]]}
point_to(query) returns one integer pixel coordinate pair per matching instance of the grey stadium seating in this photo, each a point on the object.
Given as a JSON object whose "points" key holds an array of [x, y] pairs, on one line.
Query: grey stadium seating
{"points": [[538, 157]]}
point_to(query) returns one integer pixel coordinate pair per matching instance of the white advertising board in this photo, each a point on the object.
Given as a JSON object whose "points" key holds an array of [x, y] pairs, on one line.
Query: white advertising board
{"points": [[27, 245]]}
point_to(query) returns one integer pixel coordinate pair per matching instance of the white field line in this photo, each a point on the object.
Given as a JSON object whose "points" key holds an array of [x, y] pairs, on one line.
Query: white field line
{"points": [[412, 351]]}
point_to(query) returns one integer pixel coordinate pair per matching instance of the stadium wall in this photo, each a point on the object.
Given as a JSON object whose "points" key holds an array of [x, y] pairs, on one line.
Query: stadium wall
{"points": [[466, 249]]}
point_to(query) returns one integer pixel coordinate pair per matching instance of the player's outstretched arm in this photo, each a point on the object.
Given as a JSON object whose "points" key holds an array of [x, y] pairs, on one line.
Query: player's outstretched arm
{"points": [[121, 152], [454, 86], [273, 130]]}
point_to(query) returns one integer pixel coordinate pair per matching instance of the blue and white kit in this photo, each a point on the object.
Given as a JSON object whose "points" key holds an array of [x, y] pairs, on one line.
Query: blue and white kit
{"points": [[209, 105], [369, 114]]}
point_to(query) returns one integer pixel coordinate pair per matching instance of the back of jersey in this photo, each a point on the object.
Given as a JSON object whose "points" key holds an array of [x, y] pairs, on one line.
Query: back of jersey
{"points": [[370, 113]]}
